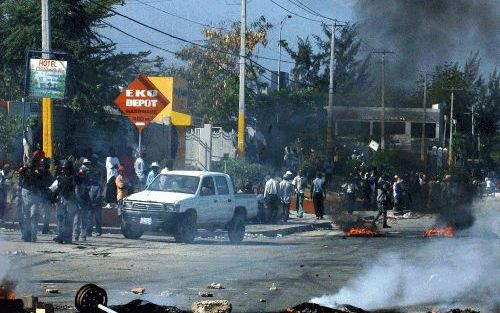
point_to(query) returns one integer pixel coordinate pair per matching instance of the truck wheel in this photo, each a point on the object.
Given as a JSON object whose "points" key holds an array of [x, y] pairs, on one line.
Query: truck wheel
{"points": [[186, 228], [131, 231], [236, 230]]}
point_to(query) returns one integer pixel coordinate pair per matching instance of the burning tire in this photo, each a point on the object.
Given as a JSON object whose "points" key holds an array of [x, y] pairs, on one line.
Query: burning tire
{"points": [[186, 228], [236, 230], [131, 231]]}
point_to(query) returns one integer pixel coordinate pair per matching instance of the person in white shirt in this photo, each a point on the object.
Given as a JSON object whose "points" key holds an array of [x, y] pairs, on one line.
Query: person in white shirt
{"points": [[112, 164], [299, 182], [140, 170], [286, 192], [271, 197]]}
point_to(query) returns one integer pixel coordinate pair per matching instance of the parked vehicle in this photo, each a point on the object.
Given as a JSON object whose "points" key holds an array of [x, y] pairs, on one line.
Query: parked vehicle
{"points": [[180, 202]]}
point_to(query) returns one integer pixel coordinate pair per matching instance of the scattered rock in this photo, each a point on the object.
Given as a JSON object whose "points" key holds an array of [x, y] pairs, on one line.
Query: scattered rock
{"points": [[166, 293], [215, 286], [51, 290], [212, 306], [103, 254], [301, 265], [205, 294], [279, 235], [17, 253], [138, 290], [262, 300], [273, 287]]}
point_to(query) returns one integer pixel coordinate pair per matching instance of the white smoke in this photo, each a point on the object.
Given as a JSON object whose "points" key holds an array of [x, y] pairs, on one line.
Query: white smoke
{"points": [[464, 269]]}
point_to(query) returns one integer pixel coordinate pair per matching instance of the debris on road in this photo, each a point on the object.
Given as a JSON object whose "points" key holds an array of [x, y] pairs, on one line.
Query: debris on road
{"points": [[262, 300], [273, 287], [51, 290], [205, 294], [142, 306], [212, 306], [17, 253], [215, 286], [103, 254], [139, 290]]}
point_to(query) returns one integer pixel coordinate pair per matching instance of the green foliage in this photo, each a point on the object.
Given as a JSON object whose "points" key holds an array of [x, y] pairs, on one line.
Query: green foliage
{"points": [[243, 172], [10, 127]]}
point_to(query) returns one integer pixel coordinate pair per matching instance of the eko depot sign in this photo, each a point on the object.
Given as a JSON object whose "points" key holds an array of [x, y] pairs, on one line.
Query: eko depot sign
{"points": [[141, 101]]}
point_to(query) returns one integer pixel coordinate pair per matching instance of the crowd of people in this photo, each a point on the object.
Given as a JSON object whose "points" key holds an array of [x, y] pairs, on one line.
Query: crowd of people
{"points": [[279, 192], [77, 189]]}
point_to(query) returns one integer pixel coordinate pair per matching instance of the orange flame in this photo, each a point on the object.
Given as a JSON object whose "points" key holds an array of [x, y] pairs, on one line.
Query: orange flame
{"points": [[440, 232], [7, 291], [360, 232]]}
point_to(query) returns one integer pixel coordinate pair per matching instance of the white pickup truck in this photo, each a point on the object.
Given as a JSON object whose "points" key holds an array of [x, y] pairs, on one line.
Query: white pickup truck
{"points": [[180, 202]]}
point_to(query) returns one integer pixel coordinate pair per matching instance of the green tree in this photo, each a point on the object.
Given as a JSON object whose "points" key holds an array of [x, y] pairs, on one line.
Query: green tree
{"points": [[213, 73], [9, 129]]}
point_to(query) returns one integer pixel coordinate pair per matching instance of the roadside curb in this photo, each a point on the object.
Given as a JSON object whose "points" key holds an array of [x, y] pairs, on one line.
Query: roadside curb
{"points": [[266, 233]]}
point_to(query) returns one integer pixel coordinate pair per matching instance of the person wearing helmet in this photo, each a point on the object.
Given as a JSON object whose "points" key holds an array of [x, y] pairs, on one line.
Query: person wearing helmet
{"points": [[46, 181], [82, 214], [64, 189], [31, 194]]}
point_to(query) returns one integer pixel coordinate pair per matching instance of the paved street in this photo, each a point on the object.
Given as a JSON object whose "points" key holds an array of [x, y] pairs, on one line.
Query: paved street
{"points": [[302, 265]]}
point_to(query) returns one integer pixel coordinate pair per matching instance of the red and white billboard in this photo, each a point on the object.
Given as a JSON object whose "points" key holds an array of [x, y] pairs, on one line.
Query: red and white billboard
{"points": [[141, 101]]}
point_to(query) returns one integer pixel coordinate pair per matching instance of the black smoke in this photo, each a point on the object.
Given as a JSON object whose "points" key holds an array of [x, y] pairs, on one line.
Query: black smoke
{"points": [[425, 33]]}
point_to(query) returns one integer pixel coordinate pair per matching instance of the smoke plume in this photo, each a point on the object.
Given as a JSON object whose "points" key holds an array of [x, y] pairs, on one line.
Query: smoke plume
{"points": [[424, 33], [460, 270]]}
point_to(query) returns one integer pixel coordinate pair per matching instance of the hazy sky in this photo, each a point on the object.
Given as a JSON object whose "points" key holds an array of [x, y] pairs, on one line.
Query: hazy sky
{"points": [[214, 12]]}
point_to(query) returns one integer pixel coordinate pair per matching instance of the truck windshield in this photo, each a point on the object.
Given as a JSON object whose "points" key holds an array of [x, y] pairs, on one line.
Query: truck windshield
{"points": [[175, 183]]}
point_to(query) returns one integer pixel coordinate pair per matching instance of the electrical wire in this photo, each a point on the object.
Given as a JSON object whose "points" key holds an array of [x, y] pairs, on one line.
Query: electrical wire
{"points": [[296, 14], [175, 15], [139, 39], [309, 10], [181, 39]]}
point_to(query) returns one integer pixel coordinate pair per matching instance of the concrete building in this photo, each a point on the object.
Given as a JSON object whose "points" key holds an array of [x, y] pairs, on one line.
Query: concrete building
{"points": [[403, 126]]}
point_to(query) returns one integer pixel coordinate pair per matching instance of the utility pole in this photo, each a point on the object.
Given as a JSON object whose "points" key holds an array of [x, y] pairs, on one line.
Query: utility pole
{"points": [[329, 134], [382, 115], [450, 152], [280, 44], [47, 126], [422, 143], [241, 108]]}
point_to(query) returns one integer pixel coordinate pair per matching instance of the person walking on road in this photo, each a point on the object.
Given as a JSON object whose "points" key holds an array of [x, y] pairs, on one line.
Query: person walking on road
{"points": [[121, 188], [95, 199], [64, 190], [140, 170], [271, 197], [31, 189], [45, 204], [383, 201], [112, 164], [82, 216], [286, 192], [318, 194], [299, 184]]}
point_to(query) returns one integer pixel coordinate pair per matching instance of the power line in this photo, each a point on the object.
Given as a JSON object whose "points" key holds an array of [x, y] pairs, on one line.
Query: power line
{"points": [[308, 9], [175, 15], [180, 39], [139, 39], [296, 14]]}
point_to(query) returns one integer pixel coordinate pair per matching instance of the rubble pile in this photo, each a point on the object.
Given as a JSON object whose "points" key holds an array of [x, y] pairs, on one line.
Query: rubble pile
{"points": [[142, 306], [307, 307]]}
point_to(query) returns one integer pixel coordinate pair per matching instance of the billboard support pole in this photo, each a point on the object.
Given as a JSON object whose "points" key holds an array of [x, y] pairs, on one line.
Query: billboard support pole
{"points": [[140, 138], [46, 102]]}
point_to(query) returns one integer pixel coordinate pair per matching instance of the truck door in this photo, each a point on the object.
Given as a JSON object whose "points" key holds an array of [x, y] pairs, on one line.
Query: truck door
{"points": [[226, 199], [209, 203]]}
